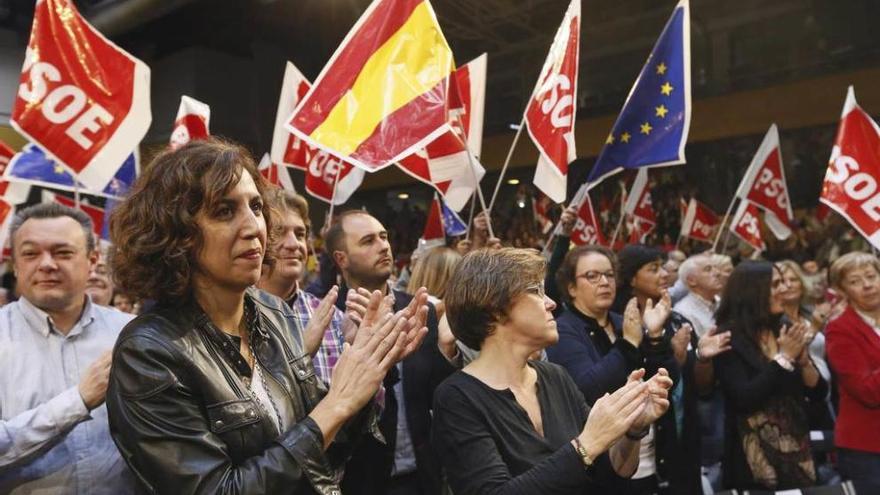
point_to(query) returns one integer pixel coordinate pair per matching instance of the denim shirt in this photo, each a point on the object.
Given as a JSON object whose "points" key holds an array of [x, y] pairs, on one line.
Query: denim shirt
{"points": [[49, 441]]}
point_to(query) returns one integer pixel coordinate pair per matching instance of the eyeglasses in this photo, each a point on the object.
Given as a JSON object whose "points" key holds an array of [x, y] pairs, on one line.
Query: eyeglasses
{"points": [[537, 289], [593, 276]]}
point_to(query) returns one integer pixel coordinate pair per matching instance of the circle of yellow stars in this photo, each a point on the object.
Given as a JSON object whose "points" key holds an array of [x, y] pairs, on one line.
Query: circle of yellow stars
{"points": [[660, 111]]}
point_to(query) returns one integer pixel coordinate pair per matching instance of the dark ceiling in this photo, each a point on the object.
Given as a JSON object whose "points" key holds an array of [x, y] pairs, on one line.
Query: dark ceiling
{"points": [[735, 44]]}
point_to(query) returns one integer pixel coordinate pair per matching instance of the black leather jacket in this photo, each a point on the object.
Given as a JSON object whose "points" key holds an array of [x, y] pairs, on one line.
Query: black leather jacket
{"points": [[185, 422]]}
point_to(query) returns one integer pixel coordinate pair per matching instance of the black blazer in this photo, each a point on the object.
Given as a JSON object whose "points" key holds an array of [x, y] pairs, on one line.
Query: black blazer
{"points": [[369, 469]]}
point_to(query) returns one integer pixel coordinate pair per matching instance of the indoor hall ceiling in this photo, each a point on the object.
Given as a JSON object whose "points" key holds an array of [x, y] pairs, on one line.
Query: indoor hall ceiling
{"points": [[735, 45]]}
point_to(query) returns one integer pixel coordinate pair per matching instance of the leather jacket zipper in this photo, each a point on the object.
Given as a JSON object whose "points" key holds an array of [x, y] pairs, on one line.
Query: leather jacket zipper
{"points": [[220, 360]]}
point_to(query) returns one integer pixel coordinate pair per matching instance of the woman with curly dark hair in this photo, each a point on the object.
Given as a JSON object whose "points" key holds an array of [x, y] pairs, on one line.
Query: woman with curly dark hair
{"points": [[210, 391]]}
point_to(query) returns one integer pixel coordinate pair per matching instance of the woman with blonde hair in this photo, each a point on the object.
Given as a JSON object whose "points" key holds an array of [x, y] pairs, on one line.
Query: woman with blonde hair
{"points": [[432, 271]]}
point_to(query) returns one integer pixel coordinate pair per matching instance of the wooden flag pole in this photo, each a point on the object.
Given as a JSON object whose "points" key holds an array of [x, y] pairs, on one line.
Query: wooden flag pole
{"points": [[76, 191], [467, 236], [479, 189], [333, 194], [622, 215], [522, 124], [726, 240], [576, 201], [723, 221]]}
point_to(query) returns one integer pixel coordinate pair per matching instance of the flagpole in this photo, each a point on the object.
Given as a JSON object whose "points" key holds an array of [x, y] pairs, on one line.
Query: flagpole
{"points": [[333, 194], [723, 221], [467, 236], [507, 162], [76, 190], [479, 189], [576, 201], [726, 240], [622, 214]]}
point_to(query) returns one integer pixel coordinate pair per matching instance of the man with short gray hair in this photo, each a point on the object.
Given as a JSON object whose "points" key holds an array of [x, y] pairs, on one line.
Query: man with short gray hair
{"points": [[703, 281], [701, 276], [55, 354]]}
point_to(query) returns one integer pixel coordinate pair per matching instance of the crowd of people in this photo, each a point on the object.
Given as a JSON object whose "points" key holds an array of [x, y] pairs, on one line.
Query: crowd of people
{"points": [[214, 349]]}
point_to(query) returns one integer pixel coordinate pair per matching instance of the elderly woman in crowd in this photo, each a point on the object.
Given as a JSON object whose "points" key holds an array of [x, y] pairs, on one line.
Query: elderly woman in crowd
{"points": [[797, 308], [505, 424], [210, 391], [765, 379], [853, 341]]}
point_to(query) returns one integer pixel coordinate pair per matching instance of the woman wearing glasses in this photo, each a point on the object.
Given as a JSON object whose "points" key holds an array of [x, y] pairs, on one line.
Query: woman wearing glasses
{"points": [[595, 346], [505, 424], [600, 347]]}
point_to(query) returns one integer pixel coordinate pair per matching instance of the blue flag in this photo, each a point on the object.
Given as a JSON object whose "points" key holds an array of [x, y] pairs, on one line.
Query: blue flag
{"points": [[108, 209], [31, 165], [451, 221], [652, 128]]}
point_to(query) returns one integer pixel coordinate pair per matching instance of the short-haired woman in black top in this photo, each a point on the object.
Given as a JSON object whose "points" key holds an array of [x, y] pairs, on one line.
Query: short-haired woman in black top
{"points": [[505, 424]]}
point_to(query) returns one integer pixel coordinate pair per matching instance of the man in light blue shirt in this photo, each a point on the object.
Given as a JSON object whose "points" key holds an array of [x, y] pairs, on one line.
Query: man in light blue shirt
{"points": [[54, 363]]}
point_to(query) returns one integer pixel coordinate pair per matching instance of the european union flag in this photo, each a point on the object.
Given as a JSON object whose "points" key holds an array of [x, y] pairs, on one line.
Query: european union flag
{"points": [[108, 209], [124, 178], [451, 221], [31, 165], [652, 128]]}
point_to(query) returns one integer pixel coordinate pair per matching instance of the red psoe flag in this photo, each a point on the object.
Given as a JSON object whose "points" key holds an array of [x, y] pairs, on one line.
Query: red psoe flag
{"points": [[699, 222], [470, 82], [541, 209], [81, 98], [639, 229], [764, 185], [586, 228], [638, 203], [434, 234], [277, 175], [746, 224], [851, 182], [384, 93], [7, 211], [192, 122], [95, 213], [287, 149], [321, 174], [444, 163], [550, 114]]}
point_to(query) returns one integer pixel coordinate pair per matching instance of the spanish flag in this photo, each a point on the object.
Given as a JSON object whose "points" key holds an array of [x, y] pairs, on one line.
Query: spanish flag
{"points": [[383, 94]]}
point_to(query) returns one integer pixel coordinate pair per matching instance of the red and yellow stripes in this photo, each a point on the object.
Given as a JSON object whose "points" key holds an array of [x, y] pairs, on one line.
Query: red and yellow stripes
{"points": [[392, 69]]}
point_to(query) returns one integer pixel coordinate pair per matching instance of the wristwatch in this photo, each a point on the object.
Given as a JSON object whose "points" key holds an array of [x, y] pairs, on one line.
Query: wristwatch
{"points": [[585, 457]]}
